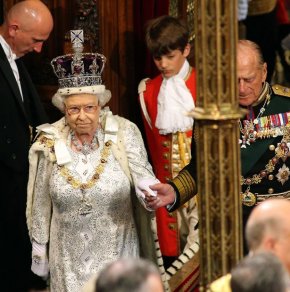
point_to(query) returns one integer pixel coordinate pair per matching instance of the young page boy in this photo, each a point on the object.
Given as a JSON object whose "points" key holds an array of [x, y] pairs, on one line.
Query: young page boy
{"points": [[165, 102]]}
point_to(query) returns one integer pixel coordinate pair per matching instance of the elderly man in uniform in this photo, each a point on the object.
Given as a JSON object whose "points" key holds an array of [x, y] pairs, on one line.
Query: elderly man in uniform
{"points": [[264, 140]]}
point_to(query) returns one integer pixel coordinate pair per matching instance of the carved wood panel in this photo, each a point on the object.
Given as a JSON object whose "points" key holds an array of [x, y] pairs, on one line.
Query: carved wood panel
{"points": [[116, 39], [216, 119]]}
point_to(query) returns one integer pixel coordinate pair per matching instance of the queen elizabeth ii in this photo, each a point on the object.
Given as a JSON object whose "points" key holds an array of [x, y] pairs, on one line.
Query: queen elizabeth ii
{"points": [[82, 211]]}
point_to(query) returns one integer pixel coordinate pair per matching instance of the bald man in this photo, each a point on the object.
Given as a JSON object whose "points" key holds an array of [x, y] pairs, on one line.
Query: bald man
{"points": [[26, 27], [267, 230]]}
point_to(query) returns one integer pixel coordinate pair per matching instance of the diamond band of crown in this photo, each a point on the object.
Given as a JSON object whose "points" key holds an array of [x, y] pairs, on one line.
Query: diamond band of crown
{"points": [[80, 80], [78, 69]]}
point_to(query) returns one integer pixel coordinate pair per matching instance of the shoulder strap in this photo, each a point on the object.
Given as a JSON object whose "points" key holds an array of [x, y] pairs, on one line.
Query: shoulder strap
{"points": [[281, 90], [141, 89]]}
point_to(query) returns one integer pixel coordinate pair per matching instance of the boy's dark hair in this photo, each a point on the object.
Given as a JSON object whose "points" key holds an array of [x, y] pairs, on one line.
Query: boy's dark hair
{"points": [[165, 34]]}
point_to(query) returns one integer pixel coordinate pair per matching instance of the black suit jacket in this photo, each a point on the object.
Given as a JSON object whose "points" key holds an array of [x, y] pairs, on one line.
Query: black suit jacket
{"points": [[15, 118]]}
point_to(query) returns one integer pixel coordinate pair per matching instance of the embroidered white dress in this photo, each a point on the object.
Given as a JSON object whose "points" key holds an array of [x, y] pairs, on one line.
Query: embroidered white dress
{"points": [[81, 241]]}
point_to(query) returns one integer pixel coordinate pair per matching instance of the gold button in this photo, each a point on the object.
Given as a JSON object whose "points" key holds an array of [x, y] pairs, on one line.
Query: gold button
{"points": [[165, 155], [166, 166], [170, 214], [165, 143], [171, 226], [272, 147], [271, 177], [167, 179], [270, 191]]}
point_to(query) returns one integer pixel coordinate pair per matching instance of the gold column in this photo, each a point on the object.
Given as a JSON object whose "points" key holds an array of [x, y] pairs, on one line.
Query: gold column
{"points": [[217, 135]]}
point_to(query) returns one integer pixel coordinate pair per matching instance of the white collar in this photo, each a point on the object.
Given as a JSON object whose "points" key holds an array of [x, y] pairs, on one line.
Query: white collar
{"points": [[174, 102], [7, 50]]}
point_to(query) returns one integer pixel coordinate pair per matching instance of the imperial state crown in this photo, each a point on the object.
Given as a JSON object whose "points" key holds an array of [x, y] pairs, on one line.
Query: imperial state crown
{"points": [[79, 69]]}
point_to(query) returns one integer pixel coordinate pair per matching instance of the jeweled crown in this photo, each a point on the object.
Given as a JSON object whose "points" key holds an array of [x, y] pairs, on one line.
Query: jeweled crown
{"points": [[78, 69]]}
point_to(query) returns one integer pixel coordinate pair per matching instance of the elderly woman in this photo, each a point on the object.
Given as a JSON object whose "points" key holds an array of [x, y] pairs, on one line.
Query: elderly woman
{"points": [[80, 209]]}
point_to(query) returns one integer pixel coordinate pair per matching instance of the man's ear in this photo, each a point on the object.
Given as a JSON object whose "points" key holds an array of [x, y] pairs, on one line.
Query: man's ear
{"points": [[264, 71], [269, 244], [12, 29]]}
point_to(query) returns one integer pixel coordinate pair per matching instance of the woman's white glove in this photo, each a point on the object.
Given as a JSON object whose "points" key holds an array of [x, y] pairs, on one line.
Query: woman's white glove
{"points": [[142, 186], [39, 264]]}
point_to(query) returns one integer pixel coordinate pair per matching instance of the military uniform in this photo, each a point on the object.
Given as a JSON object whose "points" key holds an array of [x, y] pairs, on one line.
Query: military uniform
{"points": [[265, 156], [265, 153]]}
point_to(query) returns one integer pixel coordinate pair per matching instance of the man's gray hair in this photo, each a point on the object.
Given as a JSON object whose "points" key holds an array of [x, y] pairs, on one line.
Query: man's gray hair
{"points": [[126, 275], [261, 272], [255, 47], [256, 231]]}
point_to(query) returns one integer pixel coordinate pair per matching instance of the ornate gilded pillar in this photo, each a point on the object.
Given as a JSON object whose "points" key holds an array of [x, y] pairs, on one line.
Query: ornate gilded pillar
{"points": [[217, 135]]}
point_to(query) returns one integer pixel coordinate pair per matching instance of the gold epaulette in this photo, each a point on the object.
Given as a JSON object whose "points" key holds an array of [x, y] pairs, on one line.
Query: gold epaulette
{"points": [[258, 7], [281, 90]]}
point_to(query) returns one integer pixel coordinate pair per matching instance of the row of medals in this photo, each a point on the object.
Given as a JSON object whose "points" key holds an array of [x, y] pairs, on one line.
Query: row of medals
{"points": [[250, 135]]}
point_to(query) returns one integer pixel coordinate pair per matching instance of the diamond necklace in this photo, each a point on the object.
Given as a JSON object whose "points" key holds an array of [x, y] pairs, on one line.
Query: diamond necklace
{"points": [[86, 148]]}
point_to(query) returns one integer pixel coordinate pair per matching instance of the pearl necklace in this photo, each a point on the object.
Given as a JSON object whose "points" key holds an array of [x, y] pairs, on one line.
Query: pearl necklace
{"points": [[85, 148]]}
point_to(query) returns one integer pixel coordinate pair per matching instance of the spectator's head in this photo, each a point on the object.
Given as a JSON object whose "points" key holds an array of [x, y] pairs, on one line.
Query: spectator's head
{"points": [[27, 25], [129, 275], [252, 72], [268, 229], [167, 40], [261, 272]]}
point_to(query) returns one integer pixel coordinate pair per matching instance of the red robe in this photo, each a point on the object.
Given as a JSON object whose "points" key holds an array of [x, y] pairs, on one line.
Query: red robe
{"points": [[159, 151]]}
